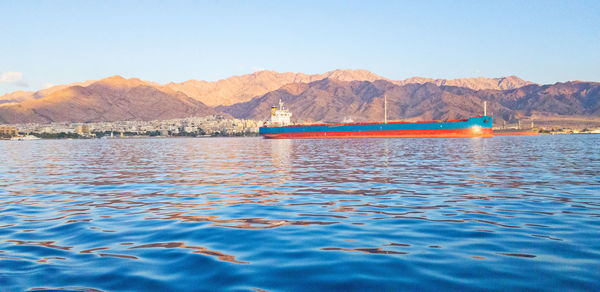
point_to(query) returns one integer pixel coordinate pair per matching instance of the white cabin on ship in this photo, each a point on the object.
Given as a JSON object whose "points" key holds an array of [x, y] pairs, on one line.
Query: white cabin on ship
{"points": [[279, 116]]}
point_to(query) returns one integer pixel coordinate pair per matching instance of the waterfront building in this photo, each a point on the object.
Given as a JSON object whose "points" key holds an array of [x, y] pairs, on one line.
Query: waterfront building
{"points": [[9, 131], [83, 130]]}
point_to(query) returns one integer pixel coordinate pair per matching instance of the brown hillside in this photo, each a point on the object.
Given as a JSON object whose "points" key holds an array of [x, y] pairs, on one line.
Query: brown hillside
{"points": [[110, 99], [243, 88], [334, 101]]}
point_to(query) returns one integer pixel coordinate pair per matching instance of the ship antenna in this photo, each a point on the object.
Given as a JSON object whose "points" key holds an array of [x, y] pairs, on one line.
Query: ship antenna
{"points": [[485, 108], [385, 108]]}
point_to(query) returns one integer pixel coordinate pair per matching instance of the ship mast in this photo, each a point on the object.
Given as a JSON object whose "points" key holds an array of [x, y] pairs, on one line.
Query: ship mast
{"points": [[485, 108], [385, 108]]}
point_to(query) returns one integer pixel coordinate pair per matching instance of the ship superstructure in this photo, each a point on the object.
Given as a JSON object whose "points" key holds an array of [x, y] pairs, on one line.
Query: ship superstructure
{"points": [[279, 116]]}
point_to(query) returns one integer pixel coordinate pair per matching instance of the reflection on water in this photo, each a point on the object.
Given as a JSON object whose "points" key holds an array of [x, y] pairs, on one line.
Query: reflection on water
{"points": [[350, 214]]}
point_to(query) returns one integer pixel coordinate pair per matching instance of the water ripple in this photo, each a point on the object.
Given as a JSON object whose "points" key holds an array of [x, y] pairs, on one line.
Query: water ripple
{"points": [[263, 215]]}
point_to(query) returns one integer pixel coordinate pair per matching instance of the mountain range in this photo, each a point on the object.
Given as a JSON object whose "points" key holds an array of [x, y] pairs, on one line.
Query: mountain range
{"points": [[110, 99], [330, 100], [329, 97]]}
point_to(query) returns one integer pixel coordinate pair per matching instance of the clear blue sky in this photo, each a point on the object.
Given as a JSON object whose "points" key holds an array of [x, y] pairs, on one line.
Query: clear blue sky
{"points": [[56, 42]]}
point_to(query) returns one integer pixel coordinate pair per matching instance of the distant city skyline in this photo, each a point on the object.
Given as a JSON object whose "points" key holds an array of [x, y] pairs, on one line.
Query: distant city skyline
{"points": [[45, 43]]}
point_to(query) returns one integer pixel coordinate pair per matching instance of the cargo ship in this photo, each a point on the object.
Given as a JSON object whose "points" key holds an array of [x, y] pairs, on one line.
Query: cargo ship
{"points": [[280, 127]]}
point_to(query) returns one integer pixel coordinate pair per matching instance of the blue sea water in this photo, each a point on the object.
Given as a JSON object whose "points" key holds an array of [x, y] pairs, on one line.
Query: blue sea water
{"points": [[504, 213]]}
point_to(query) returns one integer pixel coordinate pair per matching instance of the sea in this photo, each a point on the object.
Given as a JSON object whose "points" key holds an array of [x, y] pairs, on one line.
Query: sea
{"points": [[248, 214]]}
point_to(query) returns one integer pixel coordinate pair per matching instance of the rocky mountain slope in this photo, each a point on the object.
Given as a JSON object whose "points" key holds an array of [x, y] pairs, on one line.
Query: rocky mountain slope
{"points": [[223, 92], [238, 89], [111, 99], [20, 96], [243, 88], [330, 97], [477, 83], [334, 101]]}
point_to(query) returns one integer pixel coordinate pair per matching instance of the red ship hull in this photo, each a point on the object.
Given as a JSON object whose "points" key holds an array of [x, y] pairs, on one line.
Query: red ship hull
{"points": [[441, 133]]}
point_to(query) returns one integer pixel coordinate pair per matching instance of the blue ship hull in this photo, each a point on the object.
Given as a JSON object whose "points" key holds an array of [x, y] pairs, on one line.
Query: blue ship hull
{"points": [[472, 127]]}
